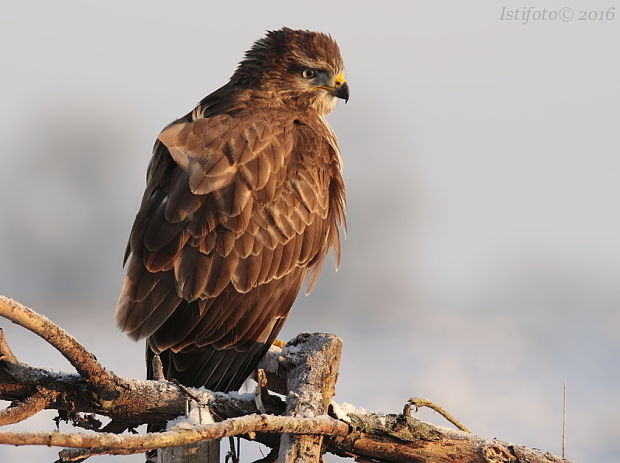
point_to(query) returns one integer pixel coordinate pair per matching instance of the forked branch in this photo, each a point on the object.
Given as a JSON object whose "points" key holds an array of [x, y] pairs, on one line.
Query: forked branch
{"points": [[84, 362], [364, 436]]}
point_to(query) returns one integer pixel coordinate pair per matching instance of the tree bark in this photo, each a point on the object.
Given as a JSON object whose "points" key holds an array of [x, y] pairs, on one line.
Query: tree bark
{"points": [[311, 365], [199, 452], [306, 371]]}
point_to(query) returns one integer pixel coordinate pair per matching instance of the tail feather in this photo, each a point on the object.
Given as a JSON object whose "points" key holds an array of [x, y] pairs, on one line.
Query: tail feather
{"points": [[217, 370]]}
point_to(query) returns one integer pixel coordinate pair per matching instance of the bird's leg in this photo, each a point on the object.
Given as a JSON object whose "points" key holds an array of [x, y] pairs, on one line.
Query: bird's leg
{"points": [[261, 393], [265, 402]]}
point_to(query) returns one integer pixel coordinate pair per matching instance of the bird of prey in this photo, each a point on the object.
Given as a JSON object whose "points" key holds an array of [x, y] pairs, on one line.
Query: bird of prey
{"points": [[244, 199]]}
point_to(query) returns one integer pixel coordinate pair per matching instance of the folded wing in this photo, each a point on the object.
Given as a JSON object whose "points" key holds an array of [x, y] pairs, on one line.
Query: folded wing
{"points": [[234, 204]]}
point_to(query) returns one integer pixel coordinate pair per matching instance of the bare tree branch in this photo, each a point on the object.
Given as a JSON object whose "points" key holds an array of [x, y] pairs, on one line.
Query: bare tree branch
{"points": [[390, 438], [365, 436], [138, 402], [417, 402], [84, 362], [404, 439], [182, 435], [82, 454], [19, 411]]}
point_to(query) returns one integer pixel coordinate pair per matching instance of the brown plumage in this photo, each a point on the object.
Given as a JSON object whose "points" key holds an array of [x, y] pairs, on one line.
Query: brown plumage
{"points": [[244, 198]]}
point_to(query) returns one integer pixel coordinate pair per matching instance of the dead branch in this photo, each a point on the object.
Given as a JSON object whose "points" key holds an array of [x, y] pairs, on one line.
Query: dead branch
{"points": [[182, 435], [417, 402], [404, 439], [389, 438], [308, 365], [6, 353], [138, 402], [84, 362], [311, 364], [19, 411], [79, 455]]}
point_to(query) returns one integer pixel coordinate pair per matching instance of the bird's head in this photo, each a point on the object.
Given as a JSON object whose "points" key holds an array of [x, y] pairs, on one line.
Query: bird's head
{"points": [[302, 68]]}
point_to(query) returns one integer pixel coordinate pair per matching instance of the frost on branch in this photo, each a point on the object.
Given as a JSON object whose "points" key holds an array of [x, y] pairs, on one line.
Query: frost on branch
{"points": [[303, 427]]}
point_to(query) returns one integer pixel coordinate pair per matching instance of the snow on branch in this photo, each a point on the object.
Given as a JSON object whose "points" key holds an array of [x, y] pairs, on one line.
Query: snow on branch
{"points": [[304, 427], [84, 362]]}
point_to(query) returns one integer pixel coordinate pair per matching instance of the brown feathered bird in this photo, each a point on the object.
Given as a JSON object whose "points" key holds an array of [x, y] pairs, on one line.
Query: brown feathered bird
{"points": [[244, 198]]}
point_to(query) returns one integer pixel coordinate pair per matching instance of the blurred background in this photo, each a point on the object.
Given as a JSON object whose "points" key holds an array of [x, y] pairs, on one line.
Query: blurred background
{"points": [[482, 162]]}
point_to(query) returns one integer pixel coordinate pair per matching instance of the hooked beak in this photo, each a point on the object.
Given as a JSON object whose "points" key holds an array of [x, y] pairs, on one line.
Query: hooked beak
{"points": [[342, 91], [339, 90]]}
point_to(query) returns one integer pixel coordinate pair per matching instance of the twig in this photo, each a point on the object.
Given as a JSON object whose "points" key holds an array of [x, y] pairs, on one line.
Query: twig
{"points": [[26, 408], [564, 412], [417, 402], [84, 362], [6, 354], [158, 368], [129, 444]]}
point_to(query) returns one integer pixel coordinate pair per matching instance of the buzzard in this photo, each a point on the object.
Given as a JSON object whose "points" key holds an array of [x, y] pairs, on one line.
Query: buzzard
{"points": [[244, 199]]}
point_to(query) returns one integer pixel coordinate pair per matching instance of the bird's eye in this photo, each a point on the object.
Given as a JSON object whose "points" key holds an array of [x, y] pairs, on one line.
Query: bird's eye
{"points": [[309, 73]]}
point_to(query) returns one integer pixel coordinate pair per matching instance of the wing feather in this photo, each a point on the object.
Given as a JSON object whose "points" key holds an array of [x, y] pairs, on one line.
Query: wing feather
{"points": [[163, 259], [159, 231], [236, 204], [181, 202], [192, 273], [244, 245]]}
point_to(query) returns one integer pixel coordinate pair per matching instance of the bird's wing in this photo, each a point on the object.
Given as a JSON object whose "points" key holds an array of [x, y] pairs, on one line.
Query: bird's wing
{"points": [[232, 203]]}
